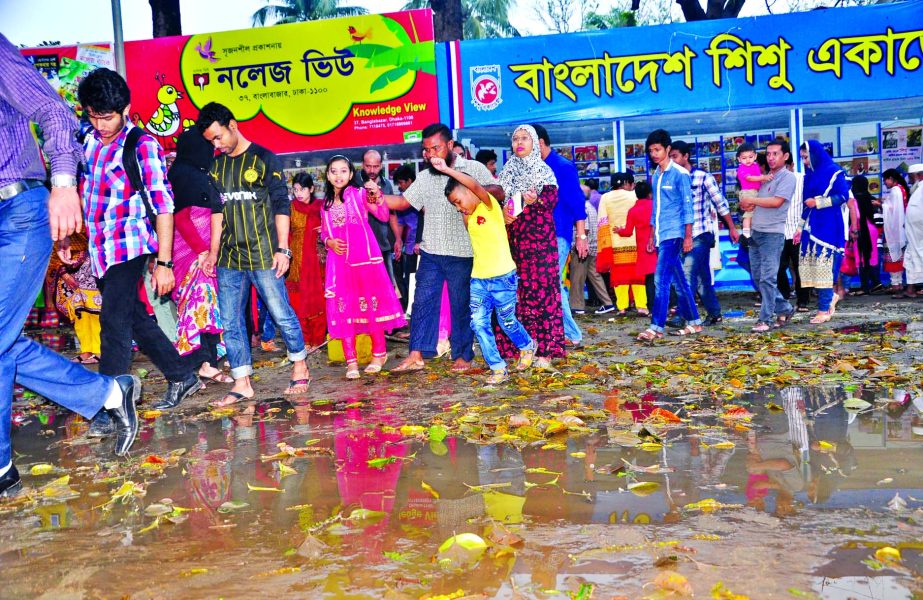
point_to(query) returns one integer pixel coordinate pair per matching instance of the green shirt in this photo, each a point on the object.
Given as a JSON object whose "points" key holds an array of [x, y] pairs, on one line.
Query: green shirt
{"points": [[253, 192]]}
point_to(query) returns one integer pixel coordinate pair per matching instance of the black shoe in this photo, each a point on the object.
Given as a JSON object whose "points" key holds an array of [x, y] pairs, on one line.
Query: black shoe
{"points": [[712, 320], [177, 391], [604, 309], [10, 483], [125, 417], [676, 322], [578, 311], [101, 425]]}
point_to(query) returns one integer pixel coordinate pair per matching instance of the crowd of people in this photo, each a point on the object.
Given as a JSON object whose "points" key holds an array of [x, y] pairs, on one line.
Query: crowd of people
{"points": [[195, 263]]}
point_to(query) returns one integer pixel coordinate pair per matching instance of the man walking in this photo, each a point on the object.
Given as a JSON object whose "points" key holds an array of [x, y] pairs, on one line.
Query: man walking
{"points": [[249, 246], [445, 253], [569, 215], [770, 210], [30, 218], [708, 203], [123, 234]]}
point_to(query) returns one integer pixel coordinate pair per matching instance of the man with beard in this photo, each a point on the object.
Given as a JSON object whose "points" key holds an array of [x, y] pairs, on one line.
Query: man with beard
{"points": [[445, 253]]}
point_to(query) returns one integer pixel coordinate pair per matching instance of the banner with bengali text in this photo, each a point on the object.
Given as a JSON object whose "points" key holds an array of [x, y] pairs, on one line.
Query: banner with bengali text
{"points": [[834, 55], [337, 83]]}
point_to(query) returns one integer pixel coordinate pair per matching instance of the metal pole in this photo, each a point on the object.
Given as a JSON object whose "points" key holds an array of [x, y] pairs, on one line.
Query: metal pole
{"points": [[119, 42]]}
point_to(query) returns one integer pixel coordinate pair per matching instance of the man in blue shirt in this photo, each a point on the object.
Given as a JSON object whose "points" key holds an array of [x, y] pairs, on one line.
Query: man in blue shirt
{"points": [[672, 220], [569, 213]]}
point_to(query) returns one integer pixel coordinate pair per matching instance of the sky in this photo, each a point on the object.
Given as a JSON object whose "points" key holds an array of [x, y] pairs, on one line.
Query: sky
{"points": [[30, 22]]}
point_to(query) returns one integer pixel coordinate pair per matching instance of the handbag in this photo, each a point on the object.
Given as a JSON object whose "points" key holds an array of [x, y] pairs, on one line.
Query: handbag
{"points": [[850, 265]]}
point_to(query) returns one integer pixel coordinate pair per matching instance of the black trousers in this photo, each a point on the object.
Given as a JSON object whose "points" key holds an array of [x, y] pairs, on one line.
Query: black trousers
{"points": [[789, 262], [124, 317]]}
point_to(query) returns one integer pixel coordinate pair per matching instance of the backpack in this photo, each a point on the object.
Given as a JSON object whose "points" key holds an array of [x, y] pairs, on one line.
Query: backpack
{"points": [[133, 168]]}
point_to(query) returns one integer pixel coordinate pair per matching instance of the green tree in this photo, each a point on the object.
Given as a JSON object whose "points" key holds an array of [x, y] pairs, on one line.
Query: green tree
{"points": [[294, 11], [613, 19], [480, 18]]}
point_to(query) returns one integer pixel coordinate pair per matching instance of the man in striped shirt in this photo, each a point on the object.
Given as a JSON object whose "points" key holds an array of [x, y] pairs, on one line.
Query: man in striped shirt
{"points": [[249, 246], [123, 236]]}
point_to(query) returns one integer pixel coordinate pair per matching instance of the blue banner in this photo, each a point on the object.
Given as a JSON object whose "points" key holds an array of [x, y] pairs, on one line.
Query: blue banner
{"points": [[834, 55]]}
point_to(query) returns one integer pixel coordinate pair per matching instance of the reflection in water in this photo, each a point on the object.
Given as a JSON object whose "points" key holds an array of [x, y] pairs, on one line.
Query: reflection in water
{"points": [[804, 475]]}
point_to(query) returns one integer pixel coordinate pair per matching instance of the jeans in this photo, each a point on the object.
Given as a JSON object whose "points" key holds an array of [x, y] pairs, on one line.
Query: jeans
{"points": [[670, 268], [571, 330], [697, 268], [765, 252], [25, 246], [433, 271], [124, 317], [789, 262], [233, 290], [581, 271], [487, 295]]}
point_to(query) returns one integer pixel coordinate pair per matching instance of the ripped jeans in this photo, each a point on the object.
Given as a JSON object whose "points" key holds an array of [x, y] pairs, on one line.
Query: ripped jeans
{"points": [[487, 295]]}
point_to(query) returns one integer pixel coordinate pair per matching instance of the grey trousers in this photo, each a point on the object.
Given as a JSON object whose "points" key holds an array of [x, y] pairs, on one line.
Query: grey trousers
{"points": [[582, 270]]}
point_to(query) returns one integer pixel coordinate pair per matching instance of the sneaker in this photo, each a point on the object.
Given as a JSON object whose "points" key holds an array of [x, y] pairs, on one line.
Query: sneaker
{"points": [[604, 309], [497, 377], [526, 355], [712, 320], [577, 311]]}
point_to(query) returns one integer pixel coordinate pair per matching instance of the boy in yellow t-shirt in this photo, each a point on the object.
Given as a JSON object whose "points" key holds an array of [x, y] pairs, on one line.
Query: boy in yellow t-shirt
{"points": [[493, 277]]}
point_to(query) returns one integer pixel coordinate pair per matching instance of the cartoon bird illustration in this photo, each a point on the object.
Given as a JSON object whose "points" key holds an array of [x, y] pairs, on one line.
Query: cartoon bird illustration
{"points": [[166, 119], [359, 37], [206, 52]]}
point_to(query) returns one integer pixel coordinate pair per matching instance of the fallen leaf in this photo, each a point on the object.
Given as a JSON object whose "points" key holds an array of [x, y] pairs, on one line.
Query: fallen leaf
{"points": [[461, 551], [256, 488], [671, 581], [643, 488], [888, 554], [231, 506], [41, 469], [429, 489]]}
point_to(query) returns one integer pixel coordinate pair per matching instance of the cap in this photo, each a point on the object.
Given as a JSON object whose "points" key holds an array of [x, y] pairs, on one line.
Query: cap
{"points": [[917, 168]]}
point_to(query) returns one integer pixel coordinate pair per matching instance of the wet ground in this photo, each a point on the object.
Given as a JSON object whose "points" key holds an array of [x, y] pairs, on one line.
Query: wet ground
{"points": [[732, 465]]}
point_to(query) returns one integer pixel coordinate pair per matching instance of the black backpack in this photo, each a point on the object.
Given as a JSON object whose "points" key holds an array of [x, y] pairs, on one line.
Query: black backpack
{"points": [[133, 169]]}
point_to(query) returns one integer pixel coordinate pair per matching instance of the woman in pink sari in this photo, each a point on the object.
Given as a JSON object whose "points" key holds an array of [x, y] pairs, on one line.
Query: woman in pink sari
{"points": [[359, 293]]}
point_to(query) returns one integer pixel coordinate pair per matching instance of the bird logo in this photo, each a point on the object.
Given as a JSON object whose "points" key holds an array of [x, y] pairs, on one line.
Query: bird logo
{"points": [[359, 37], [166, 120], [206, 52]]}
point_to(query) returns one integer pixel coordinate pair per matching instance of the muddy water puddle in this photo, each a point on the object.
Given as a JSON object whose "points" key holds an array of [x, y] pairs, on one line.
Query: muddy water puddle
{"points": [[782, 494]]}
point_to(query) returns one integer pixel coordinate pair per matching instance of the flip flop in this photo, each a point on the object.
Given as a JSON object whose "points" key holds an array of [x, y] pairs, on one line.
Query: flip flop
{"points": [[219, 377], [408, 368], [237, 396], [296, 382], [649, 335]]}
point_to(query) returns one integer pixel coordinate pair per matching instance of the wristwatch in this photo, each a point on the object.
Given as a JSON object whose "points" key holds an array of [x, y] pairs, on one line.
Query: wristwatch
{"points": [[168, 264], [582, 236], [63, 181], [284, 251]]}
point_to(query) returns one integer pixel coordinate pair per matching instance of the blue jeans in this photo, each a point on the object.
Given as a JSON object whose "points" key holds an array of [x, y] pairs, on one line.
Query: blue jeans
{"points": [[233, 289], [765, 253], [571, 330], [433, 272], [697, 267], [670, 269], [25, 246], [487, 295]]}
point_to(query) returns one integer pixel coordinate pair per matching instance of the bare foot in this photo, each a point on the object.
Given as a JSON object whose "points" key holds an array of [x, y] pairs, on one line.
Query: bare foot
{"points": [[413, 362], [461, 365]]}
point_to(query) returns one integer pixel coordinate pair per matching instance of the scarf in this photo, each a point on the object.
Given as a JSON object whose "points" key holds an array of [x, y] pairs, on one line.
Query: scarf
{"points": [[824, 177], [529, 173], [188, 175]]}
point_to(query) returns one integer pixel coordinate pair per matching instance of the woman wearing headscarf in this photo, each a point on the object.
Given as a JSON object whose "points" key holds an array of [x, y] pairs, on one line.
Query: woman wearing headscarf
{"points": [[823, 227], [893, 207], [198, 323], [866, 236], [530, 184]]}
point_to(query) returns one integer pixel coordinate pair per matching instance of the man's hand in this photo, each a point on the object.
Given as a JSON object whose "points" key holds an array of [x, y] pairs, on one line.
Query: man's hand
{"points": [[734, 235], [163, 280], [796, 239], [746, 204], [64, 212], [687, 245], [280, 264], [64, 251], [398, 248], [208, 264], [650, 245], [337, 245], [583, 247], [438, 164], [373, 192]]}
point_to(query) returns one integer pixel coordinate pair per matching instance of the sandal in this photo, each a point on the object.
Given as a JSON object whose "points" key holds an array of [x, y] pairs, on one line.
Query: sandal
{"points": [[760, 328], [649, 335], [89, 360], [374, 367], [234, 396], [687, 330], [406, 367], [293, 383], [821, 317], [352, 370], [219, 377], [802, 309], [643, 312], [783, 320]]}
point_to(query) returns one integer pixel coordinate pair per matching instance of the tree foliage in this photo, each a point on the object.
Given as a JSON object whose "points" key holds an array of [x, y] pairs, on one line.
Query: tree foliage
{"points": [[165, 17], [295, 11], [480, 19]]}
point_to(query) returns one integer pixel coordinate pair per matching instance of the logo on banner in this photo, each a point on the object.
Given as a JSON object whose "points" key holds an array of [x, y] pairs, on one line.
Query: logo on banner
{"points": [[485, 87]]}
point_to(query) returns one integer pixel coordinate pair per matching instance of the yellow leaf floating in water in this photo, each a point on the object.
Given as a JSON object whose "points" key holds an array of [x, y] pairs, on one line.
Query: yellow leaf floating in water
{"points": [[578, 454], [826, 446], [429, 489], [285, 471], [888, 554], [720, 592], [256, 488], [409, 430], [192, 572], [643, 488], [671, 581], [651, 446], [41, 469], [151, 414], [723, 446], [461, 551]]}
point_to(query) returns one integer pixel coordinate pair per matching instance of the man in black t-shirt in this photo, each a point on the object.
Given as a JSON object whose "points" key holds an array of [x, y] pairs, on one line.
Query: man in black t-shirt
{"points": [[249, 246]]}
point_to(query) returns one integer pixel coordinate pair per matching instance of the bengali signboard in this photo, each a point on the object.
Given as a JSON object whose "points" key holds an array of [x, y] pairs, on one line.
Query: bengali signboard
{"points": [[836, 55], [349, 82]]}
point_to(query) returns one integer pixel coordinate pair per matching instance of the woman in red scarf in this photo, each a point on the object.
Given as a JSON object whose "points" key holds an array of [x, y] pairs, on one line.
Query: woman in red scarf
{"points": [[305, 281]]}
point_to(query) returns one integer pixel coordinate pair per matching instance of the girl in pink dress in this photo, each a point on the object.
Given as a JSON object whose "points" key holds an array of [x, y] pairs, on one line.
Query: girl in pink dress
{"points": [[360, 296]]}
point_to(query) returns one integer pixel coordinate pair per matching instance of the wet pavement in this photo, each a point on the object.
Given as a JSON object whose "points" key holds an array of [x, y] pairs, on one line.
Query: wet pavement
{"points": [[784, 466]]}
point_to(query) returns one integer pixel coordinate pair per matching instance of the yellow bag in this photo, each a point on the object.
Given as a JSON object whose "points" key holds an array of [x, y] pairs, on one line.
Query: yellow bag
{"points": [[363, 349]]}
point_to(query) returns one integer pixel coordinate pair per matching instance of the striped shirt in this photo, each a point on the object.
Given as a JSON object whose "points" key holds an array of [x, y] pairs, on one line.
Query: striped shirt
{"points": [[118, 226], [793, 219], [708, 203], [253, 192]]}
